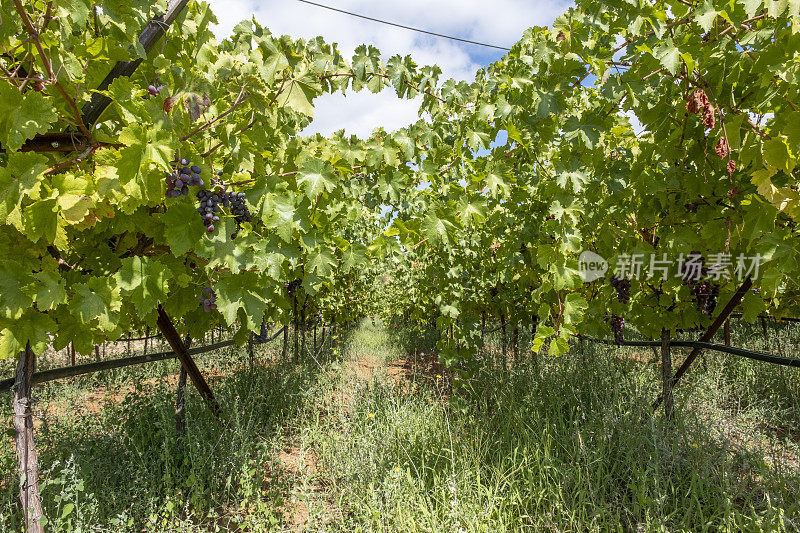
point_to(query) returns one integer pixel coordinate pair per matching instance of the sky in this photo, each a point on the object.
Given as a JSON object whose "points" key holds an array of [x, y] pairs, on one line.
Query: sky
{"points": [[498, 22]]}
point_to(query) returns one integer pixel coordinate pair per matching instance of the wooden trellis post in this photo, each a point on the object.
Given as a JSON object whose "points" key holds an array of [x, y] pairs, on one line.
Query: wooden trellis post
{"points": [[180, 413], [26, 448], [727, 332], [666, 375]]}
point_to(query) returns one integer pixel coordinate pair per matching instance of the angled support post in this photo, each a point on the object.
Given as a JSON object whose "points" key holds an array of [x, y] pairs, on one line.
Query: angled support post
{"points": [[743, 289], [176, 343]]}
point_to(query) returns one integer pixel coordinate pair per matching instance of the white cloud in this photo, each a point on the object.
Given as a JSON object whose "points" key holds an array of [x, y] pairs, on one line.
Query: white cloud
{"points": [[360, 113], [501, 22]]}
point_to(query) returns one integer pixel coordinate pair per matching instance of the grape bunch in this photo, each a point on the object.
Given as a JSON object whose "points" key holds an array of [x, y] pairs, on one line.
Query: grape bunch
{"points": [[291, 287], [617, 323], [38, 83], [262, 335], [705, 294], [209, 207], [239, 208], [211, 200], [184, 176], [623, 288], [208, 299], [153, 90]]}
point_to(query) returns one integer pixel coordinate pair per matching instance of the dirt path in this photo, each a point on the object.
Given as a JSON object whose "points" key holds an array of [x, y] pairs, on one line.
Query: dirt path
{"points": [[310, 505]]}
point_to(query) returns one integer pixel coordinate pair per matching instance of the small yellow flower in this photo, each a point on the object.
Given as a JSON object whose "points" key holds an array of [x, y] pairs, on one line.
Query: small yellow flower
{"points": [[694, 444], [371, 415], [438, 376]]}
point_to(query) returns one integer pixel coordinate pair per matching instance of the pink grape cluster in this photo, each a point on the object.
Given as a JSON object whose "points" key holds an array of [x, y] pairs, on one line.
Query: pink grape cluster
{"points": [[208, 299]]}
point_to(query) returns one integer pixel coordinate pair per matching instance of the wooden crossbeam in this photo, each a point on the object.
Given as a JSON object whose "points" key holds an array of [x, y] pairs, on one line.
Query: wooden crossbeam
{"points": [[55, 142], [91, 368]]}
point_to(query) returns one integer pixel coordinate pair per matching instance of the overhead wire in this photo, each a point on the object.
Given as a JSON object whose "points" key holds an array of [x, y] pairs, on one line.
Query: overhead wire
{"points": [[403, 26]]}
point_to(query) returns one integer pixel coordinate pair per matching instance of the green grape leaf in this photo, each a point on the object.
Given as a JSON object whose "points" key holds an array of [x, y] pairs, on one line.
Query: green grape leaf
{"points": [[278, 213], [49, 290], [40, 220], [706, 15], [298, 95], [22, 116], [316, 176], [144, 282], [96, 300], [776, 154], [354, 257], [435, 229], [668, 55], [32, 327], [15, 290], [183, 228], [321, 261], [76, 10], [18, 178], [574, 306], [242, 291], [145, 145], [223, 251], [497, 185]]}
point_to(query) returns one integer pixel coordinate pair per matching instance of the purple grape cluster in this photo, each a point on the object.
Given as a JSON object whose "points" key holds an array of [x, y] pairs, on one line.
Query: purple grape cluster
{"points": [[209, 207], [153, 90], [211, 200], [208, 299], [182, 178], [38, 83], [704, 291], [623, 288], [239, 208], [291, 287], [705, 294], [617, 323], [263, 334]]}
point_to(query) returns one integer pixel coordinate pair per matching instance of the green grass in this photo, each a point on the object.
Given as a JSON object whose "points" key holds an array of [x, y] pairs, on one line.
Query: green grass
{"points": [[124, 469], [343, 444]]}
